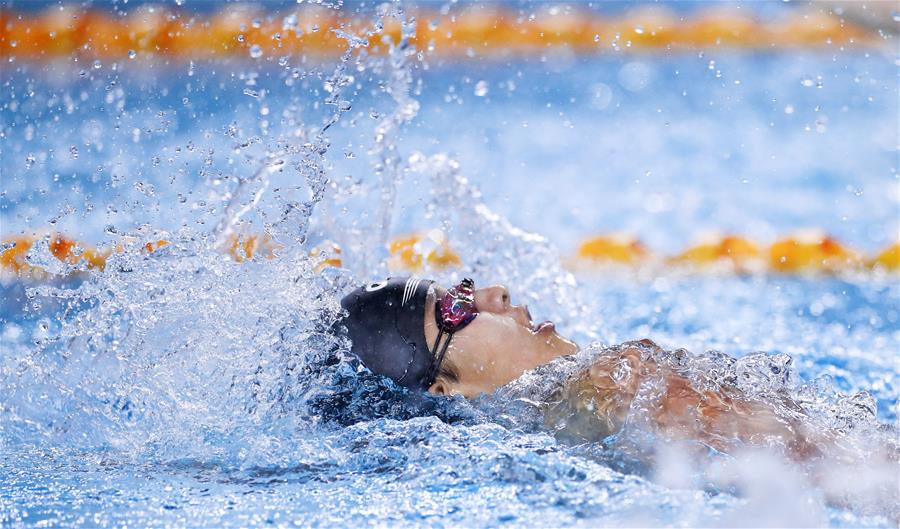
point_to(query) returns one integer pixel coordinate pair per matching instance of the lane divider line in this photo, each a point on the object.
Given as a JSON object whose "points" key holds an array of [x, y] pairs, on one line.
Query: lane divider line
{"points": [[804, 253]]}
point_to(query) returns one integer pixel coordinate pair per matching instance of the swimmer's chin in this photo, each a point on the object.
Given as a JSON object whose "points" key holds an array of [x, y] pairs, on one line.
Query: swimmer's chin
{"points": [[558, 347], [563, 346], [558, 344]]}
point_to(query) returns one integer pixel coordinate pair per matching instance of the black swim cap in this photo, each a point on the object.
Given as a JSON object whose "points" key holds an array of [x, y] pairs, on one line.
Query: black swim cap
{"points": [[386, 322]]}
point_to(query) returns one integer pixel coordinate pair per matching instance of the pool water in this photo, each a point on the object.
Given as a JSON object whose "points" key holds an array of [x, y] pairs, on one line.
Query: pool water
{"points": [[181, 388]]}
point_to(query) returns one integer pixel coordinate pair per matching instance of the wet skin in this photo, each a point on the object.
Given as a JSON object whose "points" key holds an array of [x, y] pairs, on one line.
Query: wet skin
{"points": [[503, 342], [500, 344], [721, 419]]}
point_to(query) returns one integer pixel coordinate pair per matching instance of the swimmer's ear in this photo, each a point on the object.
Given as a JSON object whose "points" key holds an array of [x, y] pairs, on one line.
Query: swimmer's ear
{"points": [[439, 388]]}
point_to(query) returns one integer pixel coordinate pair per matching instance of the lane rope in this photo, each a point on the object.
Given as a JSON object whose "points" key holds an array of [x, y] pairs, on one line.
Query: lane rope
{"points": [[251, 32], [804, 253]]}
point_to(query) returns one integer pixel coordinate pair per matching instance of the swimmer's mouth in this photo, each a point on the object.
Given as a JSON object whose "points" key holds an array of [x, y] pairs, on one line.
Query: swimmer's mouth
{"points": [[539, 327], [543, 326]]}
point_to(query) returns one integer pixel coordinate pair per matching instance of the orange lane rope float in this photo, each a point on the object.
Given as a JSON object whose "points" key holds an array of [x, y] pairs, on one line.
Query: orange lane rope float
{"points": [[889, 259], [244, 247], [812, 252], [251, 32], [326, 254], [801, 254], [416, 252], [14, 261], [616, 248], [735, 253]]}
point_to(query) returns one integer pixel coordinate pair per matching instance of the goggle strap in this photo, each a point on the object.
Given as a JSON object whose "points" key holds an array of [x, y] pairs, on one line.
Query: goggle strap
{"points": [[440, 355]]}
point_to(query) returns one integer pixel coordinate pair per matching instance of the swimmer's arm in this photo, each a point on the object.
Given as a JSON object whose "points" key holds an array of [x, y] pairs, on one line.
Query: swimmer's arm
{"points": [[721, 419], [594, 403]]}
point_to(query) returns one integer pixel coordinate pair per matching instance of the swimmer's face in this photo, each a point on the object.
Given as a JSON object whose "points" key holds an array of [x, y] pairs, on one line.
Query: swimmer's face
{"points": [[500, 344]]}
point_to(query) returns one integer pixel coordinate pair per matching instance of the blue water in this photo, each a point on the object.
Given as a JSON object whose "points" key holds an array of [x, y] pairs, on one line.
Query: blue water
{"points": [[182, 389], [683, 152]]}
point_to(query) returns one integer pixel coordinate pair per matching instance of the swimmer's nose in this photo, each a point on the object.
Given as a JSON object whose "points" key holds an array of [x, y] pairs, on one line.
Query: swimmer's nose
{"points": [[492, 299]]}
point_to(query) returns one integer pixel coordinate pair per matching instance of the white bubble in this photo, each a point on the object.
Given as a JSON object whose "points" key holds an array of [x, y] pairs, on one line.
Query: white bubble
{"points": [[810, 81], [481, 88], [255, 51], [601, 96]]}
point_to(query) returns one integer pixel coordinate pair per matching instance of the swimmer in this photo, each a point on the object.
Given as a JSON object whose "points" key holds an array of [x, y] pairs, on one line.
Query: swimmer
{"points": [[467, 341]]}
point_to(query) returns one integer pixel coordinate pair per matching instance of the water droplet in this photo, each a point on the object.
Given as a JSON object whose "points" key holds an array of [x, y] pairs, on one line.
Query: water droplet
{"points": [[240, 37], [481, 88], [601, 96], [789, 109], [132, 54], [255, 51], [597, 38], [289, 22], [639, 30], [97, 64], [807, 82], [74, 151]]}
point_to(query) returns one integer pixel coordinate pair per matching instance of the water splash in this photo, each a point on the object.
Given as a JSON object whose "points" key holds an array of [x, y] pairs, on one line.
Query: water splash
{"points": [[499, 252], [206, 371], [181, 345]]}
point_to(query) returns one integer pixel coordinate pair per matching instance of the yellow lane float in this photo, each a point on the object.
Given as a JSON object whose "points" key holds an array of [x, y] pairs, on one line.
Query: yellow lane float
{"points": [[431, 251], [812, 252], [616, 248], [327, 254], [737, 253], [244, 247], [888, 260], [13, 262], [416, 253], [252, 32]]}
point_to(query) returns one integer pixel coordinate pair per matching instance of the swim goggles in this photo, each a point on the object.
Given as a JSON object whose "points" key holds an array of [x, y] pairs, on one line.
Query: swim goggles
{"points": [[453, 311]]}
